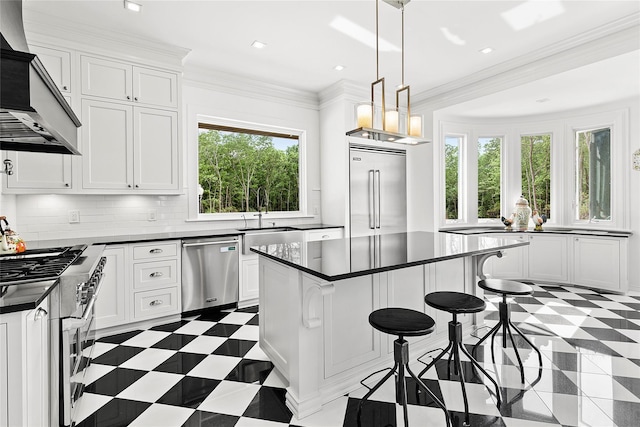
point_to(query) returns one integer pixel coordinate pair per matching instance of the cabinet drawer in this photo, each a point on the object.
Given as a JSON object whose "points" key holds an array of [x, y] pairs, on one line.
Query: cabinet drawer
{"points": [[156, 303], [155, 250], [155, 274], [325, 234]]}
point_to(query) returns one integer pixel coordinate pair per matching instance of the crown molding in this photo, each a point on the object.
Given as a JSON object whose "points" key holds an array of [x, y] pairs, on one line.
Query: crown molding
{"points": [[609, 40], [44, 28], [233, 84]]}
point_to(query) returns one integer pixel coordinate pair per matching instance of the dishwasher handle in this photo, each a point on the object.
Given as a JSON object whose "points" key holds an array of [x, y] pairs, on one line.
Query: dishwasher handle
{"points": [[223, 242]]}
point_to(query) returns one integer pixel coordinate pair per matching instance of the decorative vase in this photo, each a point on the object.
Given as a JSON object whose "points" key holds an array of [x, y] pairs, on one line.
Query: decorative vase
{"points": [[522, 214]]}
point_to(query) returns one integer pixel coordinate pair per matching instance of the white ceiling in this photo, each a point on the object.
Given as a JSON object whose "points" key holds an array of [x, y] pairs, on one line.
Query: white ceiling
{"points": [[442, 43]]}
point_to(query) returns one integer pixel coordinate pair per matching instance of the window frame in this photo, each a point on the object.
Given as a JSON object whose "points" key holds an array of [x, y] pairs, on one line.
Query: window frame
{"points": [[563, 163], [255, 128]]}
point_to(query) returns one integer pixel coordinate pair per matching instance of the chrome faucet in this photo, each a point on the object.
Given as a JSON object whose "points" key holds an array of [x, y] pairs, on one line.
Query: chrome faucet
{"points": [[259, 215]]}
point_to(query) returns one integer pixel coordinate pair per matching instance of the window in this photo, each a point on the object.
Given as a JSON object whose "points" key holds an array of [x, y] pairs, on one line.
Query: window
{"points": [[452, 146], [245, 170], [536, 171], [489, 177], [593, 175]]}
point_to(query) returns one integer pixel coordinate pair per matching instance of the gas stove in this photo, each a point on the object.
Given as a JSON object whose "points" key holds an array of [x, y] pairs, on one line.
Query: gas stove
{"points": [[37, 265]]}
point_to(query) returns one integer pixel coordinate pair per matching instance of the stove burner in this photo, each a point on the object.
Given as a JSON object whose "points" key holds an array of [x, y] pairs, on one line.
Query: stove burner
{"points": [[36, 267]]}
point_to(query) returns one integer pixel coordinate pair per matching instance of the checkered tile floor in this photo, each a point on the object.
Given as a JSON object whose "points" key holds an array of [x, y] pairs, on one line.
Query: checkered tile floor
{"points": [[209, 371]]}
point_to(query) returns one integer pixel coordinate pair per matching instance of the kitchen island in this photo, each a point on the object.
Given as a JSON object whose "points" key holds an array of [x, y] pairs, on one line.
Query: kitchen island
{"points": [[316, 297]]}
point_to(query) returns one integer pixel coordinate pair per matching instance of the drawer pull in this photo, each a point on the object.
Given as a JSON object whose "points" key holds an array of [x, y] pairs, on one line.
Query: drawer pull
{"points": [[155, 302], [156, 274], [155, 251], [326, 236]]}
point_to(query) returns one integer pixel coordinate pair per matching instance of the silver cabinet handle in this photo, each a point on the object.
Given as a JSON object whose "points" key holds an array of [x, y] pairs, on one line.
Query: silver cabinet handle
{"points": [[65, 88], [128, 97], [40, 313], [135, 98], [155, 302], [326, 236], [155, 251], [156, 274]]}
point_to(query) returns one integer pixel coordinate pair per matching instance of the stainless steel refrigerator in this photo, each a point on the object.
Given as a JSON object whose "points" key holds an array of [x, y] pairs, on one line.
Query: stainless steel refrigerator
{"points": [[377, 190]]}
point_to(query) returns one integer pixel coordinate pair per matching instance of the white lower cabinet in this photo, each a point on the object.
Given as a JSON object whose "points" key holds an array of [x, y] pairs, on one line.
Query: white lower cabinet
{"points": [[141, 282], [323, 234], [513, 264], [600, 262], [248, 292], [112, 306], [547, 258], [24, 371]]}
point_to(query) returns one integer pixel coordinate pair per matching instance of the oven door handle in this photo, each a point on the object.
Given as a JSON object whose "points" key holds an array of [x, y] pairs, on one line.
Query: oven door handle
{"points": [[72, 323]]}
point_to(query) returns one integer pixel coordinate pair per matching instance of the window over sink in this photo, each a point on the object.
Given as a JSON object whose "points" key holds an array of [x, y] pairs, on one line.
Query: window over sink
{"points": [[248, 169]]}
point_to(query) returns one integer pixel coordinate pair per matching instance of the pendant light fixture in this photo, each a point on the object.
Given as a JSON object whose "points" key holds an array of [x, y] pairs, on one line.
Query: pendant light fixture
{"points": [[374, 121]]}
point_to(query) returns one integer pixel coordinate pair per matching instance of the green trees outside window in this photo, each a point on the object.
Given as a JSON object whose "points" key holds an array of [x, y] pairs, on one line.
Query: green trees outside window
{"points": [[244, 171], [489, 177], [452, 165], [536, 172], [593, 174]]}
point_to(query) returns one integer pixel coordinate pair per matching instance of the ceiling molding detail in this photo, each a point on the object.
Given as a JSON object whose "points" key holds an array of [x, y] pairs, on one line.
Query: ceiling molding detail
{"points": [[40, 27], [236, 85], [607, 41]]}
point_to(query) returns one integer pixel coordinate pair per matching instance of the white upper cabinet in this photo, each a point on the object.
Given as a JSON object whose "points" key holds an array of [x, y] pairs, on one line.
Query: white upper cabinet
{"points": [[44, 171], [125, 82], [107, 145], [155, 87], [58, 65], [155, 149], [129, 148]]}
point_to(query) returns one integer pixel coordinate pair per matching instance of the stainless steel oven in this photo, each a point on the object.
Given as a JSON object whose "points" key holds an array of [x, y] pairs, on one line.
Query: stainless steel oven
{"points": [[72, 332], [74, 274]]}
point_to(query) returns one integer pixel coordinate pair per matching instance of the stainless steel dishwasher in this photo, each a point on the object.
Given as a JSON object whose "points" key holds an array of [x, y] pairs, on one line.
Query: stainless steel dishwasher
{"points": [[209, 272]]}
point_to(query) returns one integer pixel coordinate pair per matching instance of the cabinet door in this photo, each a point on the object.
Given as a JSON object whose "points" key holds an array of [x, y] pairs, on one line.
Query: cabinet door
{"points": [[107, 79], [107, 148], [513, 263], [4, 375], [111, 306], [156, 149], [58, 65], [597, 262], [547, 258], [250, 280], [39, 170], [155, 87], [36, 366]]}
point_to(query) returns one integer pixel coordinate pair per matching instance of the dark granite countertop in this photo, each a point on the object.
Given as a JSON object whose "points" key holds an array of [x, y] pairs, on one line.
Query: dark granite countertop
{"points": [[25, 296], [549, 230], [339, 259], [151, 237]]}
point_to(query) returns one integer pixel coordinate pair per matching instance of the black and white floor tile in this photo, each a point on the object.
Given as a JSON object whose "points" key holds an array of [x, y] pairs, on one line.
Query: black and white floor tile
{"points": [[209, 371]]}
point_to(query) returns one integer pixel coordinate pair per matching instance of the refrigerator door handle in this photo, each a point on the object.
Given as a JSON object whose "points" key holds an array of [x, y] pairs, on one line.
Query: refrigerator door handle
{"points": [[378, 213], [372, 200]]}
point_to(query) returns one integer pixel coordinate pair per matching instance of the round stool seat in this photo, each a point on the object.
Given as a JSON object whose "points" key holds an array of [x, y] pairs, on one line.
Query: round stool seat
{"points": [[401, 322], [505, 287], [455, 302]]}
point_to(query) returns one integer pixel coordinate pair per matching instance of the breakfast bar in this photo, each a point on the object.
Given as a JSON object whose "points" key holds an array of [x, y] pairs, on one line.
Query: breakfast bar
{"points": [[315, 299]]}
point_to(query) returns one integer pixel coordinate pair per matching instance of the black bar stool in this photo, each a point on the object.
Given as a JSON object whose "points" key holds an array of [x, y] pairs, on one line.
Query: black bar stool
{"points": [[458, 303], [402, 322], [504, 288]]}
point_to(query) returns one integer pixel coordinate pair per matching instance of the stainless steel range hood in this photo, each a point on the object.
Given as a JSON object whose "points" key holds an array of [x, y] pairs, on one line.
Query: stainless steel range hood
{"points": [[34, 116]]}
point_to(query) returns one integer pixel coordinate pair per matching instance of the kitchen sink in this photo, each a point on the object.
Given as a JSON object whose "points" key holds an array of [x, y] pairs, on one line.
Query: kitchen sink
{"points": [[267, 236]]}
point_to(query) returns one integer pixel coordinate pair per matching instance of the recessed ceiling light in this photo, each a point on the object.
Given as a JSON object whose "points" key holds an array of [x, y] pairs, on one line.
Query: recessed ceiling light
{"points": [[339, 67], [134, 7], [486, 50], [258, 44]]}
